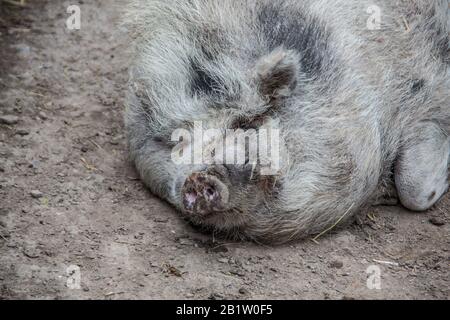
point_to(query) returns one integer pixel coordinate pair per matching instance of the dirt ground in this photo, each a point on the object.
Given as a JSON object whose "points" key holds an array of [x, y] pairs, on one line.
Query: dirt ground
{"points": [[71, 207]]}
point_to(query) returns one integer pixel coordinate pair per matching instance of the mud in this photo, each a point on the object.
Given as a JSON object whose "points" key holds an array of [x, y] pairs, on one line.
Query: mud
{"points": [[72, 208]]}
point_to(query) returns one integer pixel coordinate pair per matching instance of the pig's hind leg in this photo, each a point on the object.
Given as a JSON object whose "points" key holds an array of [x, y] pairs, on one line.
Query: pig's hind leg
{"points": [[421, 171]]}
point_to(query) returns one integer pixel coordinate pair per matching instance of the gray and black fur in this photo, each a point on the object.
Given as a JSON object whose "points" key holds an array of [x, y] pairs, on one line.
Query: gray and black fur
{"points": [[363, 113]]}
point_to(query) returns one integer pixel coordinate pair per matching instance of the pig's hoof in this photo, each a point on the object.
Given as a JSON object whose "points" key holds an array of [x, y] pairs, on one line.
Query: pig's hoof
{"points": [[204, 194]]}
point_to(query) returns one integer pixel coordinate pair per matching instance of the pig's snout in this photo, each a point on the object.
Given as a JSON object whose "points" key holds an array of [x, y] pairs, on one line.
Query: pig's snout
{"points": [[204, 194]]}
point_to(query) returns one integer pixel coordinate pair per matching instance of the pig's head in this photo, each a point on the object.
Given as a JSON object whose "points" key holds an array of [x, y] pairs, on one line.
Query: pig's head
{"points": [[239, 150], [277, 69]]}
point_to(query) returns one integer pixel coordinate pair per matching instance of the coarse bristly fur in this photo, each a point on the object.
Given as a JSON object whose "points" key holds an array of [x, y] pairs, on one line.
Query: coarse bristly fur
{"points": [[363, 113]]}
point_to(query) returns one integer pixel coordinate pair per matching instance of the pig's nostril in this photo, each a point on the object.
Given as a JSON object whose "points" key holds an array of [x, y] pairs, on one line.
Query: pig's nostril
{"points": [[210, 192], [190, 199]]}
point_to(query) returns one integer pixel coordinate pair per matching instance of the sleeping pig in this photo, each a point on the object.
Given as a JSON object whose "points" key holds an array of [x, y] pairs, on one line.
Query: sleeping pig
{"points": [[274, 120]]}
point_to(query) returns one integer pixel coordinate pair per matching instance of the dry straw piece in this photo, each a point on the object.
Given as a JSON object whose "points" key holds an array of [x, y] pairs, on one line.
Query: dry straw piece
{"points": [[16, 2]]}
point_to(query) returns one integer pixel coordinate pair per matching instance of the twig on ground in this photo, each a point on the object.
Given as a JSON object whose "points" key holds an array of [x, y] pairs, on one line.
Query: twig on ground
{"points": [[389, 263], [333, 226], [408, 29], [20, 3], [87, 165], [113, 293]]}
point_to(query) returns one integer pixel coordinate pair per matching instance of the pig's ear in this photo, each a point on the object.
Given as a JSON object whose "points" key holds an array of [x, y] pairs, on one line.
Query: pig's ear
{"points": [[277, 73]]}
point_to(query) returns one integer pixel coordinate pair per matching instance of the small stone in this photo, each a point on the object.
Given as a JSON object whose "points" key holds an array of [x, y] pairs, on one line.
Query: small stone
{"points": [[215, 296], [22, 132], [9, 120], [42, 115], [36, 194], [33, 164], [437, 221], [223, 260], [243, 291], [31, 253], [237, 273], [336, 264]]}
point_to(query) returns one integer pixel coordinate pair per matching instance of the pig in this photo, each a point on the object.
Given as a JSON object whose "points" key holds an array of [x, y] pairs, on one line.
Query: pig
{"points": [[358, 95]]}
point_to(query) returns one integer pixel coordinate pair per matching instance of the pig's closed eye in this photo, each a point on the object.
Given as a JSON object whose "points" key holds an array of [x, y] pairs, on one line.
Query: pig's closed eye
{"points": [[248, 123], [244, 123]]}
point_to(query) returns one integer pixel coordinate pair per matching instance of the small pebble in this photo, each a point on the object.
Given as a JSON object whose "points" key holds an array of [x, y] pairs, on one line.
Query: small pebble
{"points": [[215, 296], [437, 221], [36, 194], [22, 132], [10, 120], [31, 253], [43, 116], [336, 264], [243, 291]]}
